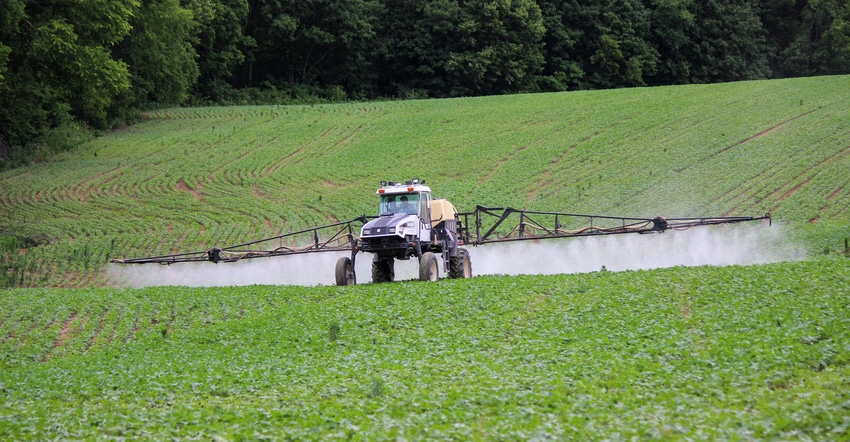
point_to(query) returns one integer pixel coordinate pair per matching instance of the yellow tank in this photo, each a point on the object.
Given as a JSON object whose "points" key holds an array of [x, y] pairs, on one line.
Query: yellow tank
{"points": [[442, 210]]}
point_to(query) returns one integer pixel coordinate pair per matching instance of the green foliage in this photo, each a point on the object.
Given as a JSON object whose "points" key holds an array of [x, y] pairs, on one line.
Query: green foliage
{"points": [[719, 54], [69, 66], [221, 44], [102, 23], [85, 77], [672, 23], [822, 44], [4, 60], [313, 42], [451, 48], [561, 70], [684, 353], [100, 63], [163, 76], [614, 46], [499, 50]]}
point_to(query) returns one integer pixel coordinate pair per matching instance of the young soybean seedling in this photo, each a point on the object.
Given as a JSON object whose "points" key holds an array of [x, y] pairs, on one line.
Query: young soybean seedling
{"points": [[334, 331], [377, 388]]}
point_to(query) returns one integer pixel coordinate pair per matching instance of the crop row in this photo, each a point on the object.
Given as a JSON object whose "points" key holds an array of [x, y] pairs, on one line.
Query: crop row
{"points": [[42, 325], [693, 353]]}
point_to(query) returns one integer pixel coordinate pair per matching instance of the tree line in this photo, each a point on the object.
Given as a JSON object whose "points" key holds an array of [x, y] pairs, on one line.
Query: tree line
{"points": [[67, 68]]}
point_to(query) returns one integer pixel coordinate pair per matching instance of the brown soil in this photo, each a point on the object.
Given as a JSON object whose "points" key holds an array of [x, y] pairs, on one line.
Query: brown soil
{"points": [[183, 187]]}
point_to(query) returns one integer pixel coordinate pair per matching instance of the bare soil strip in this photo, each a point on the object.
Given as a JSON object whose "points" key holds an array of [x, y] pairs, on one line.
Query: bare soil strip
{"points": [[183, 187]]}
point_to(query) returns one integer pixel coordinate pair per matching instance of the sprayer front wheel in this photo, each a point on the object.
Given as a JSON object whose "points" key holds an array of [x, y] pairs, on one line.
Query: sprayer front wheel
{"points": [[429, 267], [383, 270], [460, 266], [345, 272]]}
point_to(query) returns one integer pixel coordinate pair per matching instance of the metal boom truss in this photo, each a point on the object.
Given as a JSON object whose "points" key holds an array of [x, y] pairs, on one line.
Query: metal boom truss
{"points": [[508, 224], [484, 225]]}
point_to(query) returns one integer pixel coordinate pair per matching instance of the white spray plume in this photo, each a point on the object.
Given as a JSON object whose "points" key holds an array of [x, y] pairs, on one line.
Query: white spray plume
{"points": [[718, 246]]}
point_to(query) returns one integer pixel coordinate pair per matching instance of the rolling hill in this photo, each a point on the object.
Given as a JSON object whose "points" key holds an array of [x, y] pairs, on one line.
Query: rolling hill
{"points": [[188, 179]]}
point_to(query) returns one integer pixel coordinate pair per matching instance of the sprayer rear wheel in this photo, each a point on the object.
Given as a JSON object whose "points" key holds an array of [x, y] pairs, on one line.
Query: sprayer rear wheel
{"points": [[460, 266], [383, 270], [345, 272], [429, 267]]}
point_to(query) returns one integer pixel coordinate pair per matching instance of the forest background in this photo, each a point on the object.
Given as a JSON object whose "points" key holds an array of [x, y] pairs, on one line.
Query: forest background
{"points": [[70, 69]]}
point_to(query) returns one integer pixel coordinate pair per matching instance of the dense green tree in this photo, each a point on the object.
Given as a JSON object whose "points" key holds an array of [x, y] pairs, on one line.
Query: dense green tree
{"points": [[71, 65], [221, 44], [452, 48], [59, 69], [312, 42], [415, 37], [822, 43], [67, 57], [782, 22], [503, 52], [561, 69], [672, 26], [4, 61], [11, 13], [612, 47], [160, 54], [729, 42]]}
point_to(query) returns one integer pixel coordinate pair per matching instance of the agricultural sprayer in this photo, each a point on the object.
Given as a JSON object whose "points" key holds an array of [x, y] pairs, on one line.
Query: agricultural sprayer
{"points": [[412, 224]]}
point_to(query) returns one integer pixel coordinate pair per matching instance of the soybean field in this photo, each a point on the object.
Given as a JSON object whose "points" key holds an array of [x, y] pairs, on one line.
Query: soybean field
{"points": [[701, 353]]}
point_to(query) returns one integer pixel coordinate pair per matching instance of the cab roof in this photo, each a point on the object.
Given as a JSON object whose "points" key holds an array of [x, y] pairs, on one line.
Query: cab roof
{"points": [[394, 188]]}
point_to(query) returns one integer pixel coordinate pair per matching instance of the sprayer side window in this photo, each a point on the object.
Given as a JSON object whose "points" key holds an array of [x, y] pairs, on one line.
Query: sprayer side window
{"points": [[405, 203]]}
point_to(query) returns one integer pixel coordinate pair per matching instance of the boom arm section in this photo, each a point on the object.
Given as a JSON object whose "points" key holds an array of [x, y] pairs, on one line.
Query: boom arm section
{"points": [[484, 225], [508, 224], [335, 237]]}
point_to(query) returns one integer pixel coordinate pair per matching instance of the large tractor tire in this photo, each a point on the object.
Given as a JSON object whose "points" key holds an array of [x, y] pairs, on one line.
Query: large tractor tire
{"points": [[429, 267], [383, 270], [460, 266], [345, 272]]}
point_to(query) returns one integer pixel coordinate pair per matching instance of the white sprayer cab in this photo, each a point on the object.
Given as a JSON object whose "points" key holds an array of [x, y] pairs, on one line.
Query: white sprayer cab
{"points": [[403, 217]]}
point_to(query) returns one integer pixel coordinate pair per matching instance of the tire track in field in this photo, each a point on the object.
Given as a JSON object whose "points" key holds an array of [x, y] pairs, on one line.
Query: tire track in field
{"points": [[66, 333], [761, 134], [759, 177], [96, 336], [835, 194], [257, 170], [757, 180], [507, 159], [547, 178], [115, 326], [344, 140], [551, 173], [276, 165], [131, 334], [808, 173], [227, 165], [9, 199]]}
